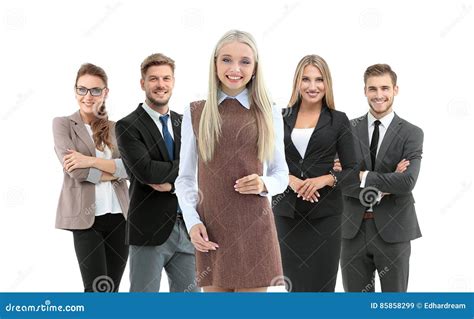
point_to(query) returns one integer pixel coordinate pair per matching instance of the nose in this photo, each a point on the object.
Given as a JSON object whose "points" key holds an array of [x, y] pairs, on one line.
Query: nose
{"points": [[236, 67]]}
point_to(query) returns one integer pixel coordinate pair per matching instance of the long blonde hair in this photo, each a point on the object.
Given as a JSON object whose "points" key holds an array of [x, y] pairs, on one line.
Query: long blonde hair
{"points": [[317, 61], [260, 104]]}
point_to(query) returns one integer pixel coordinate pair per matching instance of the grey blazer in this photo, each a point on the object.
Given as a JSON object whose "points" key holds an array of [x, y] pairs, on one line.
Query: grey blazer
{"points": [[395, 216], [76, 207]]}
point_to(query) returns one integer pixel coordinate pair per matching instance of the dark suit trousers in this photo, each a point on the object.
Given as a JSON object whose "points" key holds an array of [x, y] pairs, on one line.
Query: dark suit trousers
{"points": [[310, 250], [367, 252], [102, 253]]}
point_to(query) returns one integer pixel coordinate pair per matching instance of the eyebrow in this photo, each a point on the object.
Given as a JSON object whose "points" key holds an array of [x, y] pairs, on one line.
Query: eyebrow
{"points": [[230, 56]]}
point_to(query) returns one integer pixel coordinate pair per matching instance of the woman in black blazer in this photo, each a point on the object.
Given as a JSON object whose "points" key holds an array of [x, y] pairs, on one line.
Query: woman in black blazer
{"points": [[308, 213]]}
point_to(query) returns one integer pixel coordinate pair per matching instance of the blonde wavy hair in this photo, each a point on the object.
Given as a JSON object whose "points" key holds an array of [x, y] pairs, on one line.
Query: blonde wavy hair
{"points": [[320, 63], [260, 104]]}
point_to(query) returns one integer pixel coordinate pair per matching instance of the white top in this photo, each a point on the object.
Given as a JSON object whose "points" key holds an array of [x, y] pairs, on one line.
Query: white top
{"points": [[276, 171], [105, 199], [156, 118], [300, 138]]}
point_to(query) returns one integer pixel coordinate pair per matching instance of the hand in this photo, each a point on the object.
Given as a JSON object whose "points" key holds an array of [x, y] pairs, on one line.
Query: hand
{"points": [[165, 187], [200, 240], [337, 166], [250, 184], [311, 185], [74, 160], [296, 184], [402, 166]]}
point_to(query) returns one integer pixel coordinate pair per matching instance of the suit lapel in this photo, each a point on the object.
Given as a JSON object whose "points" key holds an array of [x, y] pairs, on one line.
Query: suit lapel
{"points": [[323, 121], [81, 131], [289, 117], [392, 131], [176, 122], [155, 133], [362, 134]]}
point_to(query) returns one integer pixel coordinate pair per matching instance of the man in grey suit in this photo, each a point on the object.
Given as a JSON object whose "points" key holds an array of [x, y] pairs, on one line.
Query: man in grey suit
{"points": [[379, 219]]}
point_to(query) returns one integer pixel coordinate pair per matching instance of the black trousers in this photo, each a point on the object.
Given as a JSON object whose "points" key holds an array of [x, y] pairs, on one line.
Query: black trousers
{"points": [[310, 250], [367, 252], [102, 253]]}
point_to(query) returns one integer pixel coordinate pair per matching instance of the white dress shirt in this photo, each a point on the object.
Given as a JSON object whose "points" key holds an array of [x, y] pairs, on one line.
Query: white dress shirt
{"points": [[275, 171], [106, 200], [384, 123]]}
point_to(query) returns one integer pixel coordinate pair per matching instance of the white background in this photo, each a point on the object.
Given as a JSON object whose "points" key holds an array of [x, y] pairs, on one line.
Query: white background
{"points": [[428, 43]]}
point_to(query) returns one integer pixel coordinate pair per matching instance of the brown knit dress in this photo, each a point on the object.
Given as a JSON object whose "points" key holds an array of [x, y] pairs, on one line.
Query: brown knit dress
{"points": [[242, 225]]}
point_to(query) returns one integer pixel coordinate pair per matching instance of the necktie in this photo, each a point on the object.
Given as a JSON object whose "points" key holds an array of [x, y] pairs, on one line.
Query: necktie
{"points": [[374, 143], [168, 141], [167, 136]]}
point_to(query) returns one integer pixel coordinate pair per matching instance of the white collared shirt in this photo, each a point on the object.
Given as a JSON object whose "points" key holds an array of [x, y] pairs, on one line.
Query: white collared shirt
{"points": [[155, 116], [275, 172], [384, 123]]}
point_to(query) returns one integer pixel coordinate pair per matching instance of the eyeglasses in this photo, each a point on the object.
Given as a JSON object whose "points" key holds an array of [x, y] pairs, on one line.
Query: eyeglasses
{"points": [[80, 90]]}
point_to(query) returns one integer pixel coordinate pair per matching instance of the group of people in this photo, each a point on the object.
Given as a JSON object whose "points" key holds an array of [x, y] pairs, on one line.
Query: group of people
{"points": [[200, 183]]}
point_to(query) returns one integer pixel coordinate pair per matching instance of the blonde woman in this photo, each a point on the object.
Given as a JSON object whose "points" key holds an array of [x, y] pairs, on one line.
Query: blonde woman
{"points": [[222, 183], [308, 216]]}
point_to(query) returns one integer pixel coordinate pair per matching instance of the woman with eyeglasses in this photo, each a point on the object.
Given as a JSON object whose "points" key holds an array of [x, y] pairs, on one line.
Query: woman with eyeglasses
{"points": [[94, 198]]}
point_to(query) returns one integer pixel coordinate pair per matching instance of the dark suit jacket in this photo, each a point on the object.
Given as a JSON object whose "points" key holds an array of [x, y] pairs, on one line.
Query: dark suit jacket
{"points": [[152, 214], [331, 135], [395, 215]]}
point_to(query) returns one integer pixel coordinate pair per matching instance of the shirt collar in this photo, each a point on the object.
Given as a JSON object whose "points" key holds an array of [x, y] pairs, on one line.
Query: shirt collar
{"points": [[154, 114], [242, 97], [385, 121]]}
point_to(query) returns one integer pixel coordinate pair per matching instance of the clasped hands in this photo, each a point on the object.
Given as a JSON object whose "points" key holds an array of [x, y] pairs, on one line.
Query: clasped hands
{"points": [[308, 189]]}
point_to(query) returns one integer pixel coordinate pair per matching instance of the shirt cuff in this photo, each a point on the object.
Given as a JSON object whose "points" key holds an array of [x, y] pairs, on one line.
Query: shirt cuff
{"points": [[120, 171], [364, 178], [94, 175], [190, 222]]}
